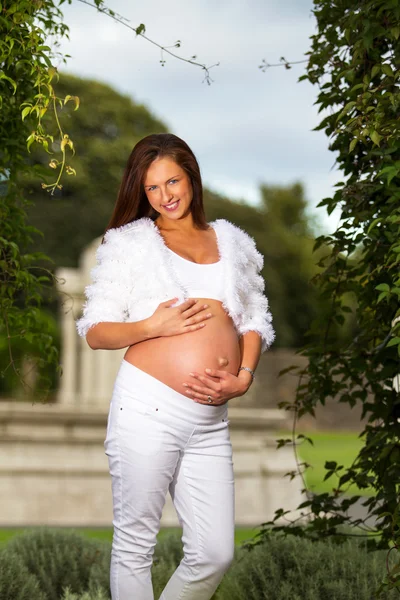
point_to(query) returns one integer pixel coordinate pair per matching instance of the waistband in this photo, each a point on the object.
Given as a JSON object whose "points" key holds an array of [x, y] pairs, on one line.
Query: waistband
{"points": [[138, 384]]}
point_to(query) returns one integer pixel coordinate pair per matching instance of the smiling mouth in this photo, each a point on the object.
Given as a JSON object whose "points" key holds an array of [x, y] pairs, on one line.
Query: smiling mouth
{"points": [[171, 206]]}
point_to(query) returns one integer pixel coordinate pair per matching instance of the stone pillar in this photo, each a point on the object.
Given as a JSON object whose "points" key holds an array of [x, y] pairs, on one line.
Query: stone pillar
{"points": [[69, 284], [103, 380], [87, 385], [67, 389]]}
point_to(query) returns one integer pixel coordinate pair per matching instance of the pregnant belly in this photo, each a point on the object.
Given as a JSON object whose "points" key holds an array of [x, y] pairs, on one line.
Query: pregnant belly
{"points": [[171, 359]]}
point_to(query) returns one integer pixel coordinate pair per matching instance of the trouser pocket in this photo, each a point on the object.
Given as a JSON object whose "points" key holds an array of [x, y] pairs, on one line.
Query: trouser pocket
{"points": [[138, 428]]}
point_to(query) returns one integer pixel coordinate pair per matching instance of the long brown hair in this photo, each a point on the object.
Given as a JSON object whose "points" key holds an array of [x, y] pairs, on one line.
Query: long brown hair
{"points": [[132, 202]]}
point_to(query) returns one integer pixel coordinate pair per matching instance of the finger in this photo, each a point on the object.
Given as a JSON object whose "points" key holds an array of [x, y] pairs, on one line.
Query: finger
{"points": [[208, 382], [205, 401], [187, 304], [200, 395], [216, 373], [168, 302], [204, 391]]}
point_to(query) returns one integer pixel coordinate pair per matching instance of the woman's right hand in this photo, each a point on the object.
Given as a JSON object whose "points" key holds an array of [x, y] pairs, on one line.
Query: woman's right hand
{"points": [[167, 321]]}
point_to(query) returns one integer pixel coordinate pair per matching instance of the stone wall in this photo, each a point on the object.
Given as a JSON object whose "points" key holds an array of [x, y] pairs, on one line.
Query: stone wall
{"points": [[268, 390], [54, 471]]}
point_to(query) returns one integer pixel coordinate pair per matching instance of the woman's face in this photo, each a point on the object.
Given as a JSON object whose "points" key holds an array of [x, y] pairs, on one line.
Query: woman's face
{"points": [[166, 183]]}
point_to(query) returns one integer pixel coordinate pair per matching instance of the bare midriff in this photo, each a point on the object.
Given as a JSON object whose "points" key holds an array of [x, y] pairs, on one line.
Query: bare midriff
{"points": [[171, 359]]}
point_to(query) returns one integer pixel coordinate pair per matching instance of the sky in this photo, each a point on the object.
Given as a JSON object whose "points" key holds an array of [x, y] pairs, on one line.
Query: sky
{"points": [[248, 127]]}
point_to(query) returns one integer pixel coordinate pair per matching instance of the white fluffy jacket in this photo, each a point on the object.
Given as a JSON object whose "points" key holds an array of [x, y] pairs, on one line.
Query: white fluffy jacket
{"points": [[135, 272]]}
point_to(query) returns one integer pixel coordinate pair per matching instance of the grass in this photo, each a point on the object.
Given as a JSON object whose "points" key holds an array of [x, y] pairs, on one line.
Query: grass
{"points": [[341, 447], [241, 533]]}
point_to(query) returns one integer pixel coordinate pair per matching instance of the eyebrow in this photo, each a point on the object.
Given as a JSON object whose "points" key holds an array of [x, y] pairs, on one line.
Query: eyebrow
{"points": [[151, 184]]}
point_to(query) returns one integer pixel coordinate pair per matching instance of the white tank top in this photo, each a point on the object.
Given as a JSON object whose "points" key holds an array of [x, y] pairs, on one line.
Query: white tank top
{"points": [[200, 280]]}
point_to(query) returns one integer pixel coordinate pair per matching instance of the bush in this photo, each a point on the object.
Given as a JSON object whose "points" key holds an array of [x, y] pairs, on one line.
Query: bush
{"points": [[16, 583], [58, 559], [99, 575], [53, 564], [169, 548], [296, 568], [97, 594], [167, 556]]}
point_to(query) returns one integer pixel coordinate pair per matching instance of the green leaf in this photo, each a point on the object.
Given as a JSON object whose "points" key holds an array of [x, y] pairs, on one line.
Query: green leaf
{"points": [[30, 142], [387, 69], [4, 76], [375, 70], [352, 144], [26, 112], [140, 29], [339, 319], [375, 137], [384, 287], [346, 109], [330, 464], [381, 296], [390, 176], [346, 309], [374, 222]]}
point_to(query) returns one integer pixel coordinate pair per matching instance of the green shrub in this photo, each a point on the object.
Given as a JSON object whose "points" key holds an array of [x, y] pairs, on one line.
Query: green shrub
{"points": [[97, 594], [58, 558], [283, 568], [99, 575], [16, 583], [167, 556], [169, 547]]}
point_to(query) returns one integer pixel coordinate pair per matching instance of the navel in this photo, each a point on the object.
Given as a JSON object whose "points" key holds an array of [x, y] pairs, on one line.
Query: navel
{"points": [[223, 361]]}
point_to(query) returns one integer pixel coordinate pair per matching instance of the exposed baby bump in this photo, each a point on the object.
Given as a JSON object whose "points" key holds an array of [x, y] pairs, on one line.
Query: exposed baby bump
{"points": [[206, 350], [171, 359]]}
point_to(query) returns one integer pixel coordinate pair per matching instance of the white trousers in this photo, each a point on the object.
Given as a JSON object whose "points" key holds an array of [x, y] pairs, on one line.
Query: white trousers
{"points": [[159, 440]]}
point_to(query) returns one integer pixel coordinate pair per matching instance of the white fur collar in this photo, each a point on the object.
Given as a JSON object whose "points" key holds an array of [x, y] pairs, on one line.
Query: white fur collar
{"points": [[232, 245]]}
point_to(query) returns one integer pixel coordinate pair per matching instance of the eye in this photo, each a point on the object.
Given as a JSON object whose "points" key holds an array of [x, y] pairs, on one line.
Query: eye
{"points": [[171, 180]]}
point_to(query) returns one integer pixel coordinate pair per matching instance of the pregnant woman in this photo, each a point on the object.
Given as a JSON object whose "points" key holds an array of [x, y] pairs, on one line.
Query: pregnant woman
{"points": [[186, 299]]}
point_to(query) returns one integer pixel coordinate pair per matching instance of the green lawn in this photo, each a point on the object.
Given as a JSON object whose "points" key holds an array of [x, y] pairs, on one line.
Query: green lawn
{"points": [[340, 447], [241, 533]]}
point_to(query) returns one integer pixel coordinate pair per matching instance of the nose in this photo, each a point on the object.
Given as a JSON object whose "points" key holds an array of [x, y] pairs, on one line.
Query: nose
{"points": [[166, 197]]}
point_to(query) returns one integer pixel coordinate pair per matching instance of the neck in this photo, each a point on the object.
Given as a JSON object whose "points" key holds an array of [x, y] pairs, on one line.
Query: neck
{"points": [[184, 226]]}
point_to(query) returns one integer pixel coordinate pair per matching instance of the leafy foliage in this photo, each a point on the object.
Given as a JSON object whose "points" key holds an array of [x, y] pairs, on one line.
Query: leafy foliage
{"points": [[279, 569], [16, 583], [295, 568], [59, 558], [98, 594], [106, 127], [354, 59], [25, 77]]}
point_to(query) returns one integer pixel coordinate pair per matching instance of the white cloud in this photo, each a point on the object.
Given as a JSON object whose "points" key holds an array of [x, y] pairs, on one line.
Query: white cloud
{"points": [[247, 126]]}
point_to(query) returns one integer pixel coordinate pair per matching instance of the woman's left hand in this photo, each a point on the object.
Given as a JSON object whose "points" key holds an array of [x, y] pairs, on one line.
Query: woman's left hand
{"points": [[220, 385]]}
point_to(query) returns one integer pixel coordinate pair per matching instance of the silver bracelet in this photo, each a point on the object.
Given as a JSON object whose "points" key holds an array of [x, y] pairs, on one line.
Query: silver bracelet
{"points": [[249, 370]]}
